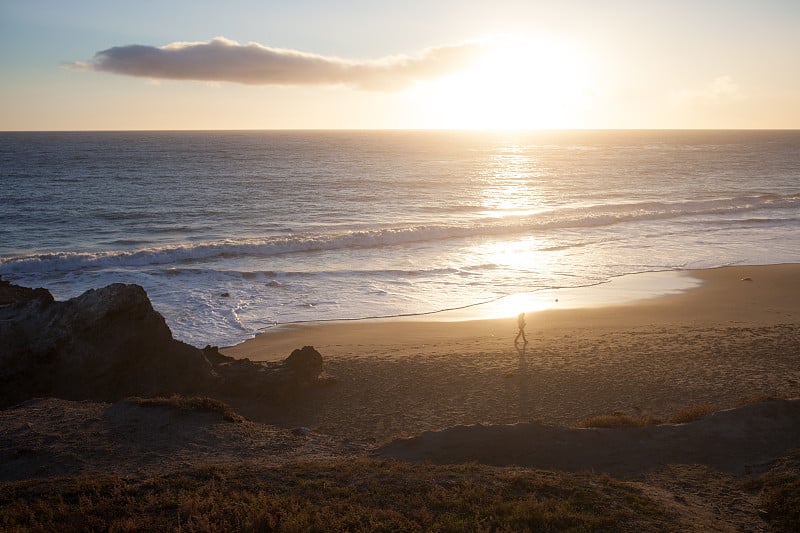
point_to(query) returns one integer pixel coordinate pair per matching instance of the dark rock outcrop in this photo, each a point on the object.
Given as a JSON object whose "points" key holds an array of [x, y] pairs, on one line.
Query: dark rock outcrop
{"points": [[13, 294], [242, 377], [305, 363], [105, 344], [110, 343]]}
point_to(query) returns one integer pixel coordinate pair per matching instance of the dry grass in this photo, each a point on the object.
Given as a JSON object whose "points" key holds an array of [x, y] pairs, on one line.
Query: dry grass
{"points": [[692, 413], [779, 494], [361, 495], [358, 495], [190, 403], [619, 420], [780, 500], [684, 416]]}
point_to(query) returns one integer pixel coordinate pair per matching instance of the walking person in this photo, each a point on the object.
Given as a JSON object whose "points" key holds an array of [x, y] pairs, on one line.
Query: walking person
{"points": [[521, 326]]}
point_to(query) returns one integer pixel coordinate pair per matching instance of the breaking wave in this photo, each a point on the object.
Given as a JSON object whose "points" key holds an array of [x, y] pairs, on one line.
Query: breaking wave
{"points": [[547, 221]]}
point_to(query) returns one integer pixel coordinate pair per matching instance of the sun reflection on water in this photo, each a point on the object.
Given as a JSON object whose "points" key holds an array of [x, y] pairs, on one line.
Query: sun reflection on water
{"points": [[511, 183]]}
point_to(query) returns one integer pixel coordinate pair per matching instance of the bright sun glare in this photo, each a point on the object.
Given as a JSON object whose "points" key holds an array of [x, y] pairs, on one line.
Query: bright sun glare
{"points": [[515, 84]]}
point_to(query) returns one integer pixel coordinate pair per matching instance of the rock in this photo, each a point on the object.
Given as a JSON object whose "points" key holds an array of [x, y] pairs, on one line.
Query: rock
{"points": [[109, 343], [214, 356], [305, 363], [14, 294], [105, 344]]}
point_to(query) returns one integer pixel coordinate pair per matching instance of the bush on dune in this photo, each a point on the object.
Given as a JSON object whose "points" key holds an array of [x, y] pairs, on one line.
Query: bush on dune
{"points": [[693, 413], [619, 420], [189, 403]]}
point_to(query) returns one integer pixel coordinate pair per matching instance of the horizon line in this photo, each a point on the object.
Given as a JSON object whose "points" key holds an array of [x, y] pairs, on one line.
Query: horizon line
{"points": [[432, 130]]}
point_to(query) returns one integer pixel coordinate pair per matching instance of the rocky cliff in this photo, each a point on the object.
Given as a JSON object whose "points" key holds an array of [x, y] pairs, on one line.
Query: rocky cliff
{"points": [[110, 343]]}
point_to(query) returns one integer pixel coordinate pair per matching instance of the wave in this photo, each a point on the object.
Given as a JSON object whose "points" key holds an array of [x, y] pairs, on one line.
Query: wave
{"points": [[273, 276], [566, 218]]}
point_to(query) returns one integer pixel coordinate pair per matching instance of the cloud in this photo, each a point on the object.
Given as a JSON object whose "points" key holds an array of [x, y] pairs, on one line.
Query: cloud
{"points": [[723, 89], [720, 90], [223, 60]]}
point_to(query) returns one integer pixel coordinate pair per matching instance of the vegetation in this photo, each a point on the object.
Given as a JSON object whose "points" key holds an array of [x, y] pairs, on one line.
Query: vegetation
{"points": [[361, 495], [619, 420], [190, 403], [779, 493], [684, 416], [692, 413], [366, 495], [780, 500]]}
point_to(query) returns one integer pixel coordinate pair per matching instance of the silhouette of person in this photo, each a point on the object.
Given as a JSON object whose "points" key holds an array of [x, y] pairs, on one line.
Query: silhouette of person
{"points": [[521, 325]]}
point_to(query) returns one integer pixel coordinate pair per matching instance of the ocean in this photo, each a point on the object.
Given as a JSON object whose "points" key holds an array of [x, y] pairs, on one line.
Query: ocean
{"points": [[232, 233]]}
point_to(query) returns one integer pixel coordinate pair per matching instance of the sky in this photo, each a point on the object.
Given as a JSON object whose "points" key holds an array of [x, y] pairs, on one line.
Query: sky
{"points": [[412, 64]]}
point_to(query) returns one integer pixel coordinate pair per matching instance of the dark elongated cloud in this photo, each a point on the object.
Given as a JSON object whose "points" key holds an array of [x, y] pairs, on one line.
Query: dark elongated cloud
{"points": [[223, 60]]}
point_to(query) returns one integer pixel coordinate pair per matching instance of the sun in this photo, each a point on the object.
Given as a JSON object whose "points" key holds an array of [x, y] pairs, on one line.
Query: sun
{"points": [[515, 84]]}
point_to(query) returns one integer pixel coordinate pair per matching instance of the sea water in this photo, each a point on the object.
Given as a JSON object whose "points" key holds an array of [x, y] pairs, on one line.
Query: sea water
{"points": [[231, 233]]}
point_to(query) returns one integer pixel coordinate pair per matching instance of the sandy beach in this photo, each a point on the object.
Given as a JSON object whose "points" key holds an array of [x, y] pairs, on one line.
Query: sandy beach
{"points": [[732, 338], [404, 403]]}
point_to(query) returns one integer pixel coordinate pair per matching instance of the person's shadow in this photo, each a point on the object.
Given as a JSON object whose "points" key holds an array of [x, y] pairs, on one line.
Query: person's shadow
{"points": [[523, 378]]}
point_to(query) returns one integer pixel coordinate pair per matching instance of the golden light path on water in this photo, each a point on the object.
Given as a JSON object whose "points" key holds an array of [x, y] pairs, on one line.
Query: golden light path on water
{"points": [[511, 183], [512, 190]]}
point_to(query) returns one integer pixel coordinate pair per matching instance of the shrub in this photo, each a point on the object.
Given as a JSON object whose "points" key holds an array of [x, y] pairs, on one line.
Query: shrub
{"points": [[692, 413], [619, 420], [190, 403]]}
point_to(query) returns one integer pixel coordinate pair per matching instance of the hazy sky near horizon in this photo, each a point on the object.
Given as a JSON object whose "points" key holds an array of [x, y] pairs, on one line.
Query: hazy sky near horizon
{"points": [[353, 64]]}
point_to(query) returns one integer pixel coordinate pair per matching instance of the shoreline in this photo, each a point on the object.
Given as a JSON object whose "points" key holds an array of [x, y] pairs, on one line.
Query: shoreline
{"points": [[720, 295], [732, 338]]}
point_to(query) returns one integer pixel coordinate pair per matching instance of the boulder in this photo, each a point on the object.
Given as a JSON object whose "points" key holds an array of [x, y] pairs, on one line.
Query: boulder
{"points": [[277, 380], [305, 363]]}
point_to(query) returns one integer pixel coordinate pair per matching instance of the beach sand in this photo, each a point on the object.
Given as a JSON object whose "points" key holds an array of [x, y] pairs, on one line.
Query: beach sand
{"points": [[734, 337], [432, 384]]}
